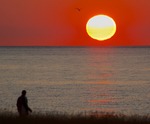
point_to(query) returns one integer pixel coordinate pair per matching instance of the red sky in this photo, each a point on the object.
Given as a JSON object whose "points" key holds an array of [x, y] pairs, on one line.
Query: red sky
{"points": [[59, 23]]}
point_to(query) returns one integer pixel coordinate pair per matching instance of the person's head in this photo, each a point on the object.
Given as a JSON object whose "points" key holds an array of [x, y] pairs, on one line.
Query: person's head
{"points": [[24, 92]]}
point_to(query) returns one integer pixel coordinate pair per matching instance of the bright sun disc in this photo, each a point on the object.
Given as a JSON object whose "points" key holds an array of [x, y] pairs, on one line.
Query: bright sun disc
{"points": [[101, 27]]}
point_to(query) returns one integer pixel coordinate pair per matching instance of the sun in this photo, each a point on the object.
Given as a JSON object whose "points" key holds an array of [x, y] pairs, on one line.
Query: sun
{"points": [[101, 27]]}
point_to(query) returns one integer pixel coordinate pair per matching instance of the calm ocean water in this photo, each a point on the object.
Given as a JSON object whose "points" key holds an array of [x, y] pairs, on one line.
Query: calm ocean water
{"points": [[76, 79]]}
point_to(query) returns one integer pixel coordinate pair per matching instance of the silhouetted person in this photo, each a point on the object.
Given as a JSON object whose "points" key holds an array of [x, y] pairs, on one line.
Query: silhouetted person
{"points": [[22, 105]]}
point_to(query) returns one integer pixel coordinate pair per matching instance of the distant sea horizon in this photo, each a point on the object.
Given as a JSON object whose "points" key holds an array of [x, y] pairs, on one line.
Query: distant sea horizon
{"points": [[142, 46]]}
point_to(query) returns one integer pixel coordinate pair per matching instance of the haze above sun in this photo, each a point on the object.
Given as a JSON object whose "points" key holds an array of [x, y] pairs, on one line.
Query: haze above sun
{"points": [[101, 27]]}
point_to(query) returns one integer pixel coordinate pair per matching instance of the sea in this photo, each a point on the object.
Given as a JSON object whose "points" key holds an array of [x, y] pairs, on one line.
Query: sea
{"points": [[76, 79]]}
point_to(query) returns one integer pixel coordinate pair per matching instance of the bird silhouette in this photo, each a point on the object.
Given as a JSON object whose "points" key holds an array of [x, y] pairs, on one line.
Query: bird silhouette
{"points": [[78, 9]]}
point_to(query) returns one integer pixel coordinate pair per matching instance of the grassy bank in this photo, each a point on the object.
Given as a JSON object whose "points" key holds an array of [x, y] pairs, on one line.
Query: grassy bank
{"points": [[57, 118]]}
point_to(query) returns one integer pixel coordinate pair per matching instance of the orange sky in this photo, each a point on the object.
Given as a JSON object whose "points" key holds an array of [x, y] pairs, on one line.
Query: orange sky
{"points": [[59, 23]]}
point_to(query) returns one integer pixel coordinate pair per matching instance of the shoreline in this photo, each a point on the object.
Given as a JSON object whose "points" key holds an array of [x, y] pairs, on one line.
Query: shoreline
{"points": [[81, 118]]}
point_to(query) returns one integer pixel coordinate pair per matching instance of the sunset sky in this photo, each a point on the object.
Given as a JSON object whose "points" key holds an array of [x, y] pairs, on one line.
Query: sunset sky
{"points": [[60, 23]]}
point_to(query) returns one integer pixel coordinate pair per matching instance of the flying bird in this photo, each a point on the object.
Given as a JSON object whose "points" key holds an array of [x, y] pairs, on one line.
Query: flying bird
{"points": [[78, 9]]}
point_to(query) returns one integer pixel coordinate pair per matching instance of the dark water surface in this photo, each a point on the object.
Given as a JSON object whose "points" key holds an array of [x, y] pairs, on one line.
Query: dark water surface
{"points": [[76, 79]]}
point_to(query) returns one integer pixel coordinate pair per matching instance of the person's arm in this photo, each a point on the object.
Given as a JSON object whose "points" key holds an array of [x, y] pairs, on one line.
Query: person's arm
{"points": [[29, 109], [26, 105]]}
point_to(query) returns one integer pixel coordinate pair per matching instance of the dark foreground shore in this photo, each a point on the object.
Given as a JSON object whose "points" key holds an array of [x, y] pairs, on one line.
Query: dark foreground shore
{"points": [[56, 118]]}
